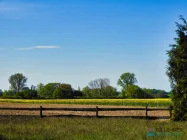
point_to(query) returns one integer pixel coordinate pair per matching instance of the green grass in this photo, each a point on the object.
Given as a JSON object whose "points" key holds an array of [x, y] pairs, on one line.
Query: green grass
{"points": [[125, 102], [21, 128]]}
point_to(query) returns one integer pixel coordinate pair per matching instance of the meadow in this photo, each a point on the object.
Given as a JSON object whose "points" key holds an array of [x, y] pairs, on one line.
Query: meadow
{"points": [[85, 128], [125, 102], [21, 128]]}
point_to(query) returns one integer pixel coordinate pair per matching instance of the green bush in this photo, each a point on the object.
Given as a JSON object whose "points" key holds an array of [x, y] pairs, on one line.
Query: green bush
{"points": [[26, 94], [133, 91], [63, 91], [106, 92], [8, 94]]}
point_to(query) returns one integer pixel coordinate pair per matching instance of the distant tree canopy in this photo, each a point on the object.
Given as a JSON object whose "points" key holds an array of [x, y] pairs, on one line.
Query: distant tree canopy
{"points": [[17, 82], [39, 87], [1, 92], [156, 93], [99, 88], [127, 79], [99, 85], [63, 91], [177, 71], [27, 94], [47, 90], [57, 90], [133, 91], [107, 92], [8, 93]]}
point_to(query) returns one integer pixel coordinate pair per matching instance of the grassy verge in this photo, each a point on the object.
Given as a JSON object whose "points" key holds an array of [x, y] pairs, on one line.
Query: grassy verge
{"points": [[125, 102], [21, 128]]}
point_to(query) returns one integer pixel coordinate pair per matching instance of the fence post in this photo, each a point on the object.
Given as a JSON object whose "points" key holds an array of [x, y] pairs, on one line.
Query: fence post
{"points": [[97, 111], [41, 112], [146, 112], [170, 111]]}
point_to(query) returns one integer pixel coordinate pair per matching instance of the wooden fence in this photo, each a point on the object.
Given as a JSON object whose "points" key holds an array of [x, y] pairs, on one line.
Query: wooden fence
{"points": [[96, 110]]}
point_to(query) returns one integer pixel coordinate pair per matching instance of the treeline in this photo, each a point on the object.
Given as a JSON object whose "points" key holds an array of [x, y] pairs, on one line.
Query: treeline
{"points": [[98, 88]]}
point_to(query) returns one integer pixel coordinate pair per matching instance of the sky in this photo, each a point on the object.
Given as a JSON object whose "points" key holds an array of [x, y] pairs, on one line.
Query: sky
{"points": [[76, 41]]}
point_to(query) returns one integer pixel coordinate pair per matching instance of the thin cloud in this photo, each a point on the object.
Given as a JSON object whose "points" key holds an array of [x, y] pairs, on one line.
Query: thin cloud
{"points": [[38, 47], [5, 7], [12, 9]]}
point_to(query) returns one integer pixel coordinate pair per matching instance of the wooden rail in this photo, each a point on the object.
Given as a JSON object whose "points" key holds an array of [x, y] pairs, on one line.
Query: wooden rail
{"points": [[96, 110]]}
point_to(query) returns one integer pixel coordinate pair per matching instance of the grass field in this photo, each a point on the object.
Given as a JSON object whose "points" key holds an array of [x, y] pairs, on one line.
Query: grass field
{"points": [[83, 128], [125, 102], [21, 128]]}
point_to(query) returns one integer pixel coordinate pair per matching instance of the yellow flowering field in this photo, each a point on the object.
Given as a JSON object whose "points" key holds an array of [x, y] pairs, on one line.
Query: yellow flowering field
{"points": [[126, 102]]}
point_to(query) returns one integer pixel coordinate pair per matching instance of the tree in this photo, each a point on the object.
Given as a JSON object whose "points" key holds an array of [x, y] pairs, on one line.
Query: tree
{"points": [[99, 84], [17, 82], [177, 72], [1, 92], [25, 88], [122, 94], [8, 93], [39, 87], [162, 94], [133, 91], [87, 92], [125, 80], [33, 87], [63, 91], [77, 94], [48, 89], [27, 94], [109, 91], [156, 93]]}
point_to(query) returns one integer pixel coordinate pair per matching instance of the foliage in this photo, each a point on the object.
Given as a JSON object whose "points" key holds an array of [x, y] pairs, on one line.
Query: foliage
{"points": [[177, 72], [63, 91], [33, 87], [90, 93], [106, 92], [125, 80], [8, 93], [133, 91], [109, 91], [39, 87], [86, 92], [77, 94], [26, 94], [25, 88], [156, 93], [162, 94], [1, 92], [17, 82], [98, 85], [98, 88], [47, 90], [122, 94]]}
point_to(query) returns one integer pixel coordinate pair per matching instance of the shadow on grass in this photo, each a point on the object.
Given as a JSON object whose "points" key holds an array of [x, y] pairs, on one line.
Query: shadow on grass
{"points": [[3, 138], [84, 116]]}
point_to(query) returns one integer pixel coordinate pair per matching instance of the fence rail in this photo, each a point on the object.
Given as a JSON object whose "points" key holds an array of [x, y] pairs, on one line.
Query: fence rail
{"points": [[96, 110]]}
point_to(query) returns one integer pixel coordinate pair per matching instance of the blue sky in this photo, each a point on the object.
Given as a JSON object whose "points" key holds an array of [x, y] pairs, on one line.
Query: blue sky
{"points": [[76, 41]]}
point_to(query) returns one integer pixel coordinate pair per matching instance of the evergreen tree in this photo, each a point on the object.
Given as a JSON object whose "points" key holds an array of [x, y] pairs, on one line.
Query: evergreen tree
{"points": [[177, 72]]}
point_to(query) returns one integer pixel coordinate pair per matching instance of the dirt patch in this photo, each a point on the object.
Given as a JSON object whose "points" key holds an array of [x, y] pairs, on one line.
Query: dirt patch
{"points": [[83, 113]]}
